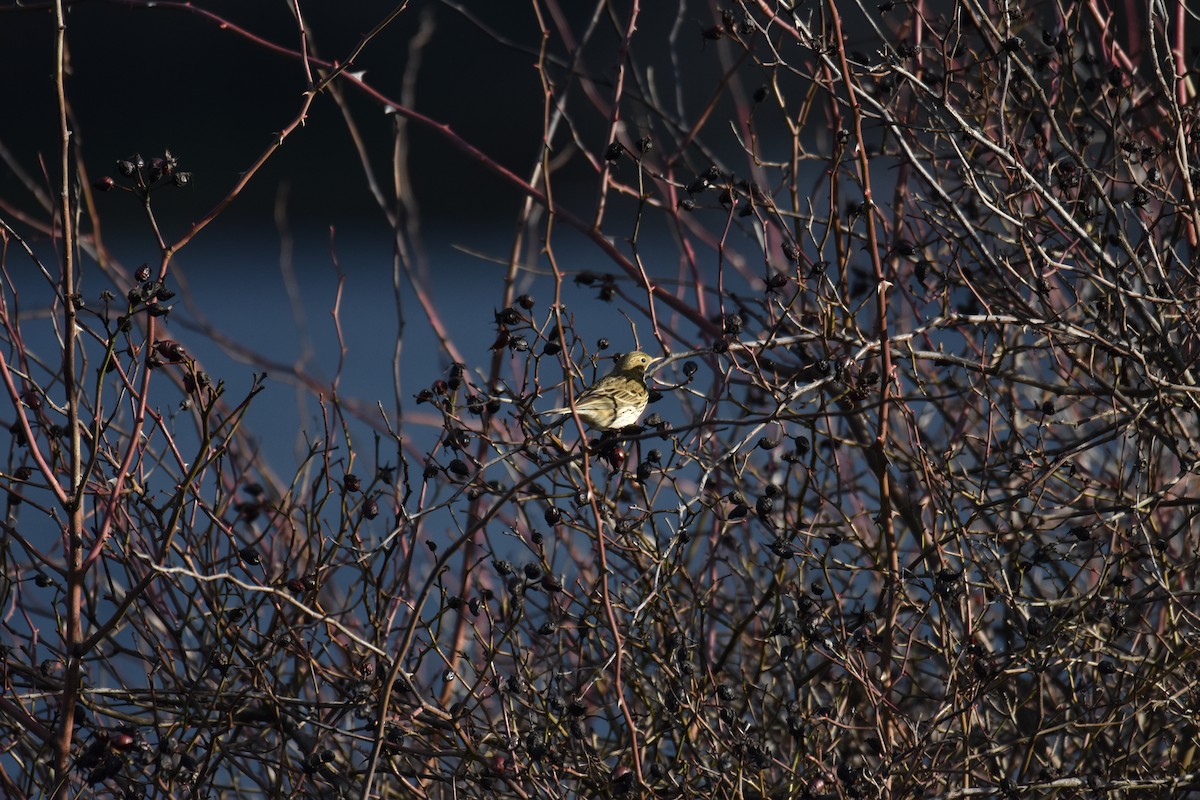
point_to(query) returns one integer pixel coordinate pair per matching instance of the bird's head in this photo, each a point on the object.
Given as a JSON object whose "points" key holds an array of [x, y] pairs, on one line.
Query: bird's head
{"points": [[634, 363]]}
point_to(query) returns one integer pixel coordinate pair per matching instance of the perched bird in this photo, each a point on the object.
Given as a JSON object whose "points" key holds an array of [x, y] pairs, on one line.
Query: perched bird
{"points": [[618, 399]]}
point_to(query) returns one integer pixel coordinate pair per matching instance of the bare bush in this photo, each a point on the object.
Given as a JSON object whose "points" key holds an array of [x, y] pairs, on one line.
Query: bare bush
{"points": [[911, 514]]}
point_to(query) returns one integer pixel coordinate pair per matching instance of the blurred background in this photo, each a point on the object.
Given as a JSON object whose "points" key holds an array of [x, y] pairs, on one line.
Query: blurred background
{"points": [[147, 78]]}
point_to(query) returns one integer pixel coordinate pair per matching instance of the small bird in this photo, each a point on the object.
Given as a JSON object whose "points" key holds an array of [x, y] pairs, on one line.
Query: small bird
{"points": [[618, 399]]}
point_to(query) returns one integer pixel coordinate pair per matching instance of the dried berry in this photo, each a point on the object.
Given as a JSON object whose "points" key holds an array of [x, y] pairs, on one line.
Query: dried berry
{"points": [[507, 316], [764, 506]]}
